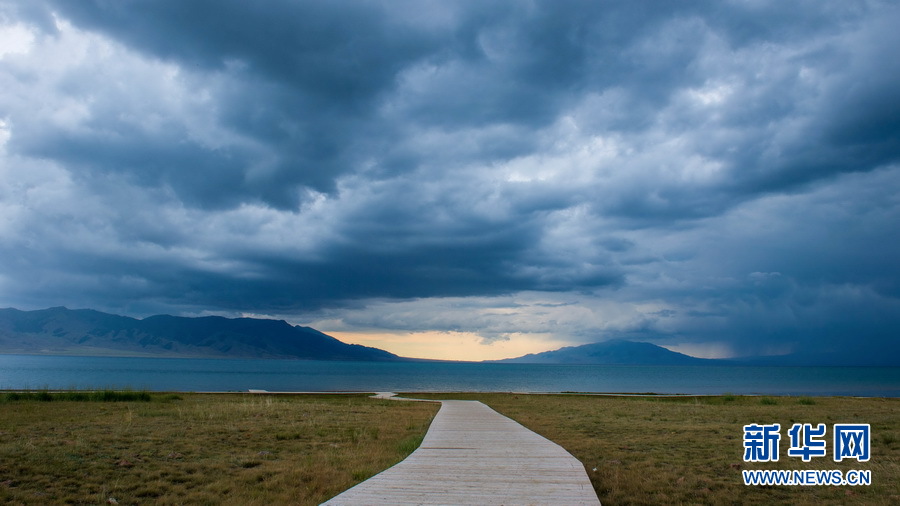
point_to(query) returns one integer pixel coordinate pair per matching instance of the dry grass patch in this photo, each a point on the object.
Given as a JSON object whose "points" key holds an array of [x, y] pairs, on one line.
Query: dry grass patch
{"points": [[689, 450], [201, 448]]}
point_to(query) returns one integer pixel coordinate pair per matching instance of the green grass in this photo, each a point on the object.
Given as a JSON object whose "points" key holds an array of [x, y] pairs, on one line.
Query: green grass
{"points": [[409, 444], [139, 448], [689, 450], [304, 449]]}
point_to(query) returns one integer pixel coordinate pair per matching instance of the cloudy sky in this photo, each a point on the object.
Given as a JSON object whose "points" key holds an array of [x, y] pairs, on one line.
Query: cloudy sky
{"points": [[459, 179]]}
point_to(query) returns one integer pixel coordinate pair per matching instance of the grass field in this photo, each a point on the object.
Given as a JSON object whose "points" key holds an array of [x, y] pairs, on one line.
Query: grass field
{"points": [[303, 449], [689, 450], [139, 448]]}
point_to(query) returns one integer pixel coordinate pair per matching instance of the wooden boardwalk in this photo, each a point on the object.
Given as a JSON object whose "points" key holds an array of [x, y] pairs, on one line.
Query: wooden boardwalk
{"points": [[474, 455]]}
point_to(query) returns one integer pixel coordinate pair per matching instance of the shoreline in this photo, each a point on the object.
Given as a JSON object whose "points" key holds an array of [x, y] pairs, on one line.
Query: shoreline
{"points": [[402, 392]]}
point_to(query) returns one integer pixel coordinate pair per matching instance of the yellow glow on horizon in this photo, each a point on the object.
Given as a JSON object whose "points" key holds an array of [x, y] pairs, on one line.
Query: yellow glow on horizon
{"points": [[450, 345]]}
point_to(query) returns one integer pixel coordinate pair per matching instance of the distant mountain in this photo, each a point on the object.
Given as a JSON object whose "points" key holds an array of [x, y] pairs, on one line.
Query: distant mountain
{"points": [[622, 352], [87, 332], [614, 352]]}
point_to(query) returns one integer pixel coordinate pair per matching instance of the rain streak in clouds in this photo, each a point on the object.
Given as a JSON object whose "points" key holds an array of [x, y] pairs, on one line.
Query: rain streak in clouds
{"points": [[461, 179]]}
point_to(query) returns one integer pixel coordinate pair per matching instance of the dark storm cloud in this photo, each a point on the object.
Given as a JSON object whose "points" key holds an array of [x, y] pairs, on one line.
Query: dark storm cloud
{"points": [[695, 167], [341, 53], [311, 76], [301, 80], [785, 273]]}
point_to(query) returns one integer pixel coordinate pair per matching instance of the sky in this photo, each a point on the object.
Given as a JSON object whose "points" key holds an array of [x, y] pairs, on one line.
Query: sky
{"points": [[462, 180]]}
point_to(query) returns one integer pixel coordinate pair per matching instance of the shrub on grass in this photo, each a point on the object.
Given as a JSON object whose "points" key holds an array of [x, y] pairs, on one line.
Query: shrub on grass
{"points": [[78, 396]]}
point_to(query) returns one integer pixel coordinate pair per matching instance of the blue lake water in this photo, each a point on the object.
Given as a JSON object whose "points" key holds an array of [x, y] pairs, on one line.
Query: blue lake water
{"points": [[174, 374]]}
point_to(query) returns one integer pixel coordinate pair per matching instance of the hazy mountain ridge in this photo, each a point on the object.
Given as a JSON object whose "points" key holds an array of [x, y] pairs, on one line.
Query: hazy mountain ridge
{"points": [[87, 332], [623, 352], [613, 352]]}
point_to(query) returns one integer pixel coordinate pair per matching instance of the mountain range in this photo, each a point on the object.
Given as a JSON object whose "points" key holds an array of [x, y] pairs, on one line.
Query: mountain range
{"points": [[622, 352], [62, 331], [613, 352]]}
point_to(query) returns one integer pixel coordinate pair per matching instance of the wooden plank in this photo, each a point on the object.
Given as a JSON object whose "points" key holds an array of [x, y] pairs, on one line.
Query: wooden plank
{"points": [[474, 455]]}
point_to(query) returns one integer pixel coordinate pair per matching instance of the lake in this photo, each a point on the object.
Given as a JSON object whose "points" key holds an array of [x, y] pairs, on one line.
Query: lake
{"points": [[218, 375]]}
